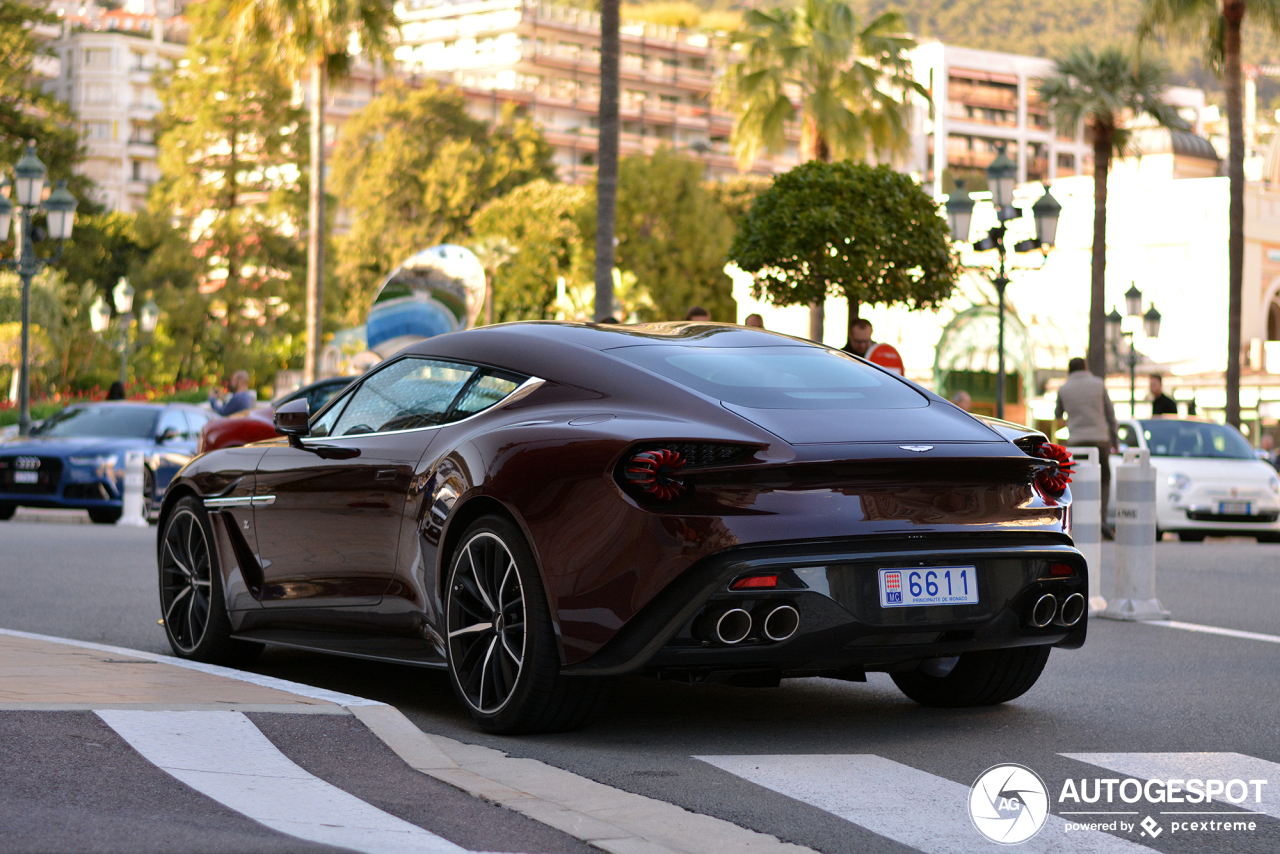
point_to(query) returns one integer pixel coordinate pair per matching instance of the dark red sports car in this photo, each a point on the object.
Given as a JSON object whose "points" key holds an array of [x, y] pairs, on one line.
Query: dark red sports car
{"points": [[539, 507]]}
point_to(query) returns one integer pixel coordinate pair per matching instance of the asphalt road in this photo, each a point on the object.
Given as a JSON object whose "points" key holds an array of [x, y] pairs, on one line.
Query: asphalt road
{"points": [[1133, 690]]}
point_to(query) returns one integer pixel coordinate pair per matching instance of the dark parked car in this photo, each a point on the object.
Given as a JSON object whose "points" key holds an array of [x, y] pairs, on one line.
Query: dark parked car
{"points": [[539, 507], [255, 425], [75, 459]]}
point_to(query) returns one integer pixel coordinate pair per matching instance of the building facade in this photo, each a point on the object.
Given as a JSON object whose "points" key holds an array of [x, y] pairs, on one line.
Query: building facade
{"points": [[545, 59], [106, 64]]}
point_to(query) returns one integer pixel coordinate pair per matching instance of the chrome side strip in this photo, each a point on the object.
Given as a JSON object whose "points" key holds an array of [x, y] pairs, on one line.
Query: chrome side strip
{"points": [[242, 501], [239, 501]]}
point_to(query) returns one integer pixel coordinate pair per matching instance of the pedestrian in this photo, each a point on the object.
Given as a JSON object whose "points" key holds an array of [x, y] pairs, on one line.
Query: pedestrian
{"points": [[963, 400], [1091, 420], [859, 337], [698, 314], [1161, 403], [239, 397], [1268, 449], [116, 392], [754, 320]]}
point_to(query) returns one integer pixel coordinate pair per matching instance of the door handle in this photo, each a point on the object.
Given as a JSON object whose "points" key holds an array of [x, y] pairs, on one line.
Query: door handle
{"points": [[385, 474]]}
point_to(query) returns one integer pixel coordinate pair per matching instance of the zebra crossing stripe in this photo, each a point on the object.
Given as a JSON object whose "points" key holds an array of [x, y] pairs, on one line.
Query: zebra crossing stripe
{"points": [[225, 757], [918, 809], [1198, 766]]}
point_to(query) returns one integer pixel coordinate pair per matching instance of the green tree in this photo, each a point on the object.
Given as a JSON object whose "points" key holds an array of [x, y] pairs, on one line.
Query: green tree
{"points": [[673, 235], [103, 248], [866, 233], [227, 136], [539, 222], [1104, 89], [413, 167], [28, 112], [1218, 24], [854, 87], [316, 36]]}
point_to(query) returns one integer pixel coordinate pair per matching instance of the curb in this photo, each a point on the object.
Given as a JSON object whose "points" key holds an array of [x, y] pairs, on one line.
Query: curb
{"points": [[602, 816]]}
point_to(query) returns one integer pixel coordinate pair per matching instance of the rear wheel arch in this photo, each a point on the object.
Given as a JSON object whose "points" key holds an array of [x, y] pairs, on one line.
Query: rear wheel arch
{"points": [[466, 511]]}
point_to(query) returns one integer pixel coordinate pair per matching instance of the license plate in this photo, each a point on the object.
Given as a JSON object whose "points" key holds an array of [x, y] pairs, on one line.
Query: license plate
{"points": [[1234, 508], [26, 477], [928, 585]]}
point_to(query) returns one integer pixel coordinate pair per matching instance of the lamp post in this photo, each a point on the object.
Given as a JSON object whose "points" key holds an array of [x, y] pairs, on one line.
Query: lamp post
{"points": [[1001, 177], [60, 212], [100, 319], [1116, 331]]}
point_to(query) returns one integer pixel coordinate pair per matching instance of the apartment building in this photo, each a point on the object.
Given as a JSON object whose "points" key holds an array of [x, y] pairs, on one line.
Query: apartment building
{"points": [[107, 60], [983, 99], [545, 59]]}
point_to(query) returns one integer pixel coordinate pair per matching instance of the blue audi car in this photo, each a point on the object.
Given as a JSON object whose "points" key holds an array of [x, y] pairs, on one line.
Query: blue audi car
{"points": [[75, 459]]}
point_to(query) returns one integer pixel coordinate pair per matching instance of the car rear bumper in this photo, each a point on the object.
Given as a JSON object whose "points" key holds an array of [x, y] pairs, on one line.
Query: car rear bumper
{"points": [[841, 627]]}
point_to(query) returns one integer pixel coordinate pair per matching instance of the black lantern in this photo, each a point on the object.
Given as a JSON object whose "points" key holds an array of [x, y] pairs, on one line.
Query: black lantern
{"points": [[959, 212], [1002, 174], [1046, 211]]}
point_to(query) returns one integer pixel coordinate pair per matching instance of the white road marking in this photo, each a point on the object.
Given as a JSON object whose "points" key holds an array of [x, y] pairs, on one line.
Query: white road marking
{"points": [[225, 757], [314, 693], [1198, 766], [1214, 630], [912, 807]]}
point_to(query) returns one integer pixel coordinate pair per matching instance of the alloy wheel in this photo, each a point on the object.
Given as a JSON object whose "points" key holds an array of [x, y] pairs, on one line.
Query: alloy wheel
{"points": [[185, 580], [486, 622]]}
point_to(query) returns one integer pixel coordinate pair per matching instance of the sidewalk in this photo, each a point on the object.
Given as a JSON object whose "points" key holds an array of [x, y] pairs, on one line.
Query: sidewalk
{"points": [[44, 674]]}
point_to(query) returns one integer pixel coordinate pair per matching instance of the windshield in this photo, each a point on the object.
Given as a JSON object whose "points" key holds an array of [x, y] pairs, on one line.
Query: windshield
{"points": [[787, 377], [1194, 439], [106, 421]]}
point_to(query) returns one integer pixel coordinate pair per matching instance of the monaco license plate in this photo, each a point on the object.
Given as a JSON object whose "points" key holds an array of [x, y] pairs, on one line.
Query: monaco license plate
{"points": [[1234, 508], [26, 477], [928, 585]]}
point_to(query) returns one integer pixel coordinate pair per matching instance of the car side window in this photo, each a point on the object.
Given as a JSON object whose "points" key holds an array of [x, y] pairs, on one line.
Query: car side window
{"points": [[487, 391], [196, 420], [172, 420], [1128, 438], [406, 394]]}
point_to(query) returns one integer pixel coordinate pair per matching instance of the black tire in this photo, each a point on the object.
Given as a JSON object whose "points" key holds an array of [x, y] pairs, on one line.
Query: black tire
{"points": [[105, 515], [504, 663], [1190, 537], [192, 604], [7, 511], [985, 678]]}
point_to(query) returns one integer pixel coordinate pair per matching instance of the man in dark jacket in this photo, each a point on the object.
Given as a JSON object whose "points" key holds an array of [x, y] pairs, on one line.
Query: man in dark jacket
{"points": [[240, 397], [1161, 403]]}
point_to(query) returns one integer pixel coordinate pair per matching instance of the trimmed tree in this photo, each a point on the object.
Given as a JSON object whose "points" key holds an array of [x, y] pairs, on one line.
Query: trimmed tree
{"points": [[866, 233]]}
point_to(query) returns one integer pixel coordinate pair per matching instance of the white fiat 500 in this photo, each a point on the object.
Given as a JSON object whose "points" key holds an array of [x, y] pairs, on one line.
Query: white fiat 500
{"points": [[1208, 480]]}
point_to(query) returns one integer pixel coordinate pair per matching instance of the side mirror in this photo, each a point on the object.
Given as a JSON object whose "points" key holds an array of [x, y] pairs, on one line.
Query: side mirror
{"points": [[293, 419], [169, 434]]}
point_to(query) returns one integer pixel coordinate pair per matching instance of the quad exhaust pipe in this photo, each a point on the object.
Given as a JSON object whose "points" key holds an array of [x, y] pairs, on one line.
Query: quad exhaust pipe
{"points": [[781, 623], [1047, 611], [733, 626]]}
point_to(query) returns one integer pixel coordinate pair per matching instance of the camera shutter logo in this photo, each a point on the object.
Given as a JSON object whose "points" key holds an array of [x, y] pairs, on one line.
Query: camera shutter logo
{"points": [[1008, 804]]}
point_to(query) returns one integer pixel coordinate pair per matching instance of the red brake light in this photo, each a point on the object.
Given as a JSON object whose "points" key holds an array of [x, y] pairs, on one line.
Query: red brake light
{"points": [[754, 582], [1053, 482], [656, 473], [1061, 570]]}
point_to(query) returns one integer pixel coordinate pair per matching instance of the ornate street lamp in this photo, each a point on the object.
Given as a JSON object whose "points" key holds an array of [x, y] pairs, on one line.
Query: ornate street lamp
{"points": [[1001, 176], [100, 319], [1116, 331], [60, 209]]}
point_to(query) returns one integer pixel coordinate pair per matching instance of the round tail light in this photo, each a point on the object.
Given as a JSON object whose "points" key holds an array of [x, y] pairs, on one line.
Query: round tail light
{"points": [[1053, 482], [656, 473]]}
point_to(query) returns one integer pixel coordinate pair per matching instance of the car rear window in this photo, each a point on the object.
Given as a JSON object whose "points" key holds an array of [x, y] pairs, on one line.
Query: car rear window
{"points": [[1195, 439], [785, 377]]}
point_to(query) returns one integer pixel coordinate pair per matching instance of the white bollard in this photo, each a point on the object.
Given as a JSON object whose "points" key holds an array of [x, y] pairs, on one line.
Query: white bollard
{"points": [[132, 511], [1086, 519], [1135, 594]]}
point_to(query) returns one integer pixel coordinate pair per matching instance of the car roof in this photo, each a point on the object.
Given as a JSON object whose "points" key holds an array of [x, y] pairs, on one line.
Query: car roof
{"points": [[607, 336]]}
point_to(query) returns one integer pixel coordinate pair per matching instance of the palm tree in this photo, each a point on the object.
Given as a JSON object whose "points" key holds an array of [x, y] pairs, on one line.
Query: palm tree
{"points": [[853, 88], [316, 36], [607, 156], [1217, 23], [1102, 90]]}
